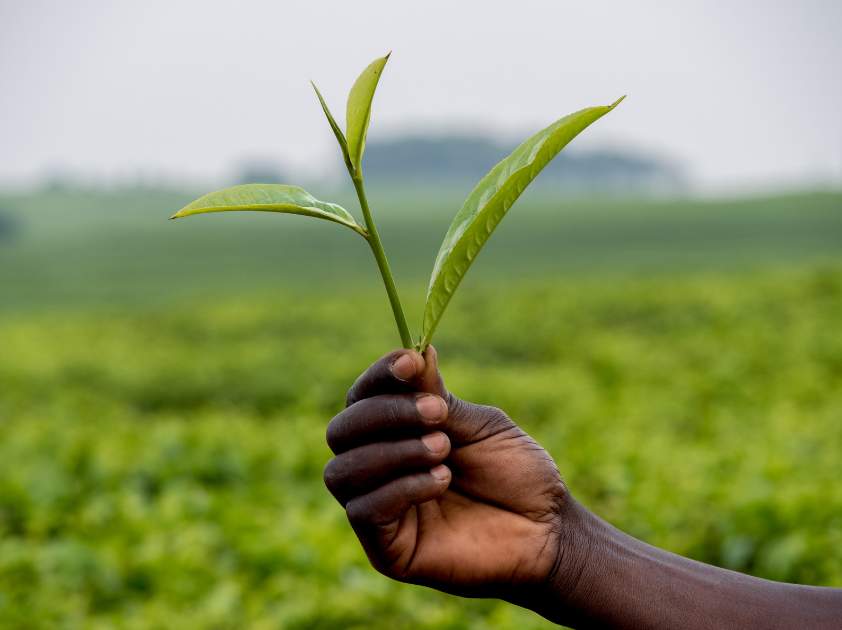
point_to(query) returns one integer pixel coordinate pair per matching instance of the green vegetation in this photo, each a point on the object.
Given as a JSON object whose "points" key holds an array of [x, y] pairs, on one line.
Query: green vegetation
{"points": [[482, 211], [76, 248], [162, 412]]}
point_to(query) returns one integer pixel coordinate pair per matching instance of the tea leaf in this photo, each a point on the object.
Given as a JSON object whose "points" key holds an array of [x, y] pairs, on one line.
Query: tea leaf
{"points": [[270, 198], [340, 137], [358, 112], [488, 203]]}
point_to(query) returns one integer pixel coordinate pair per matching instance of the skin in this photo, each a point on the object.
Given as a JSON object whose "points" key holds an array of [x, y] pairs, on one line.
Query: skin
{"points": [[455, 496]]}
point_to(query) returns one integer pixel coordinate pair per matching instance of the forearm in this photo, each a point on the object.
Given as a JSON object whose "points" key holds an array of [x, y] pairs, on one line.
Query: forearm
{"points": [[609, 579]]}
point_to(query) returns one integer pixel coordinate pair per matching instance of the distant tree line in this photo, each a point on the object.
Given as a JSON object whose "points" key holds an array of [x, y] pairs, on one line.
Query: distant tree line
{"points": [[456, 160], [8, 226], [261, 171]]}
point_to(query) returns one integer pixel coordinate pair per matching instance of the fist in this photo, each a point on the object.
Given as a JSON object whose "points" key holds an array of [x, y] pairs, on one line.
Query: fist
{"points": [[443, 492]]}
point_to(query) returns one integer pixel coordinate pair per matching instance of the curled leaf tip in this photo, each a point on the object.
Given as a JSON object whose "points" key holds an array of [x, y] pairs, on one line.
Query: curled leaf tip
{"points": [[618, 101], [388, 54]]}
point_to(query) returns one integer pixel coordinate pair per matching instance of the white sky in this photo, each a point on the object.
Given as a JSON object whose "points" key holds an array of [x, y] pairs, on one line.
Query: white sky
{"points": [[743, 92]]}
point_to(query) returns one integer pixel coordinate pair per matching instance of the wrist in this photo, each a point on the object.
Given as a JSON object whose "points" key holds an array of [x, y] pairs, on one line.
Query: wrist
{"points": [[608, 579], [573, 567], [564, 591]]}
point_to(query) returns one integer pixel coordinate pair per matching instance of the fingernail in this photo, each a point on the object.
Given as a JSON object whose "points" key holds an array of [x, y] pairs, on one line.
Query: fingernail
{"points": [[440, 472], [435, 442], [404, 367], [430, 407]]}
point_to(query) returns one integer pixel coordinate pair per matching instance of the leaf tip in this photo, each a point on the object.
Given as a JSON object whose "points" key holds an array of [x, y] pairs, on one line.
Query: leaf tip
{"points": [[618, 101], [316, 90], [388, 54]]}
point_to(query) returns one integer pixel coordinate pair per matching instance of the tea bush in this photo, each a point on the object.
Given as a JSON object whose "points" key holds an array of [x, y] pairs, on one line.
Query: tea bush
{"points": [[161, 467]]}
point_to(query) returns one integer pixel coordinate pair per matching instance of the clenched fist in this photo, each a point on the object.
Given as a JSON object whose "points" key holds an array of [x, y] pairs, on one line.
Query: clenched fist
{"points": [[440, 491]]}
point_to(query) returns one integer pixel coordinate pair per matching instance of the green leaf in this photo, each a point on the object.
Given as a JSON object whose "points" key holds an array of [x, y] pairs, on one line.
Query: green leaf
{"points": [[270, 198], [358, 113], [340, 137], [488, 203]]}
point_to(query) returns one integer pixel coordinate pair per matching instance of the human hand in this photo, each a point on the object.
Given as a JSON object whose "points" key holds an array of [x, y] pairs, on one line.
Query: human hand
{"points": [[444, 492]]}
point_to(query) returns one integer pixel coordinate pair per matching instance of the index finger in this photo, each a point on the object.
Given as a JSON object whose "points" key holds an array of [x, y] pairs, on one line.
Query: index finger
{"points": [[394, 373]]}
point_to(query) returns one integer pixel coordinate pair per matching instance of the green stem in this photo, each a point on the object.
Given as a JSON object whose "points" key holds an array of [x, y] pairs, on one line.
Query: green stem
{"points": [[382, 263]]}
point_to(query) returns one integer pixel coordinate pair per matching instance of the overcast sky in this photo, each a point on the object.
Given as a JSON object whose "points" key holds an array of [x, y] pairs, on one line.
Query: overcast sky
{"points": [[742, 92]]}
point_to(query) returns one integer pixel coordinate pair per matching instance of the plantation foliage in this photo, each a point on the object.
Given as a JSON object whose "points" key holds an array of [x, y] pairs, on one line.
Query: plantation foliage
{"points": [[162, 468], [164, 394]]}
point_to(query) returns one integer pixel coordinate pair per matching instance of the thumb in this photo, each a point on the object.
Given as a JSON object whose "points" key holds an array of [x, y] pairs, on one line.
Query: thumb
{"points": [[430, 380], [466, 422]]}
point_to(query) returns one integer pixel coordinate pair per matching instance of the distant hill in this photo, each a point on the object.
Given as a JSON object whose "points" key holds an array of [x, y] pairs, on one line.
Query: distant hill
{"points": [[265, 171], [460, 160]]}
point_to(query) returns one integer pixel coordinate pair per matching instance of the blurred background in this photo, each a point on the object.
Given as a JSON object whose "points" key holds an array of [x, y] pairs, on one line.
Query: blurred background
{"points": [[662, 311]]}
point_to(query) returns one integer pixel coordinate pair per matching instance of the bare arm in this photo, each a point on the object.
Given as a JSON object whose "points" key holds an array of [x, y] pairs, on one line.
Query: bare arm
{"points": [[455, 496], [621, 582]]}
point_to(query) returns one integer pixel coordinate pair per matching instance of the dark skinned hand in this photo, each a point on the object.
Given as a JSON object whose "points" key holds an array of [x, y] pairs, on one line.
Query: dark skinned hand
{"points": [[453, 495], [444, 492]]}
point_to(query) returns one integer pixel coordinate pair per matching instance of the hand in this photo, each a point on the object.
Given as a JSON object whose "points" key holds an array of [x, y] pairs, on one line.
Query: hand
{"points": [[444, 492], [455, 496]]}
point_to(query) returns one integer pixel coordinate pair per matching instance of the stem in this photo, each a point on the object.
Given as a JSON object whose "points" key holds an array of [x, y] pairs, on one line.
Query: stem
{"points": [[382, 263]]}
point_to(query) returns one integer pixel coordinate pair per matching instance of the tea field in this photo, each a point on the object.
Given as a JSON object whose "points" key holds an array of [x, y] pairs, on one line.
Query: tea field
{"points": [[164, 392]]}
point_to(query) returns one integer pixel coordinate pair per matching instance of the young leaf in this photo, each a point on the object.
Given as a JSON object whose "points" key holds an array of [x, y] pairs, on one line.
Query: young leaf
{"points": [[487, 205], [340, 137], [270, 198], [358, 112]]}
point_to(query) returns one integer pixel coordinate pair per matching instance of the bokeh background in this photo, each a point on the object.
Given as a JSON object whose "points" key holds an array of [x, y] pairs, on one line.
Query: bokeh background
{"points": [[663, 309]]}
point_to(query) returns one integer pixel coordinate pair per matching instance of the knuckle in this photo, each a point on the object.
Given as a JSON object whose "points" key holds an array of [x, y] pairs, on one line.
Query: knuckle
{"points": [[454, 403], [458, 408], [496, 415], [351, 395], [484, 420], [353, 511], [358, 510], [374, 509], [331, 475], [495, 418], [332, 433]]}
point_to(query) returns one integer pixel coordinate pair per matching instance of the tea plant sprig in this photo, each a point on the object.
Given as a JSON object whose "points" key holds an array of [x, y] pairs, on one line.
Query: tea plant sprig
{"points": [[472, 226]]}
